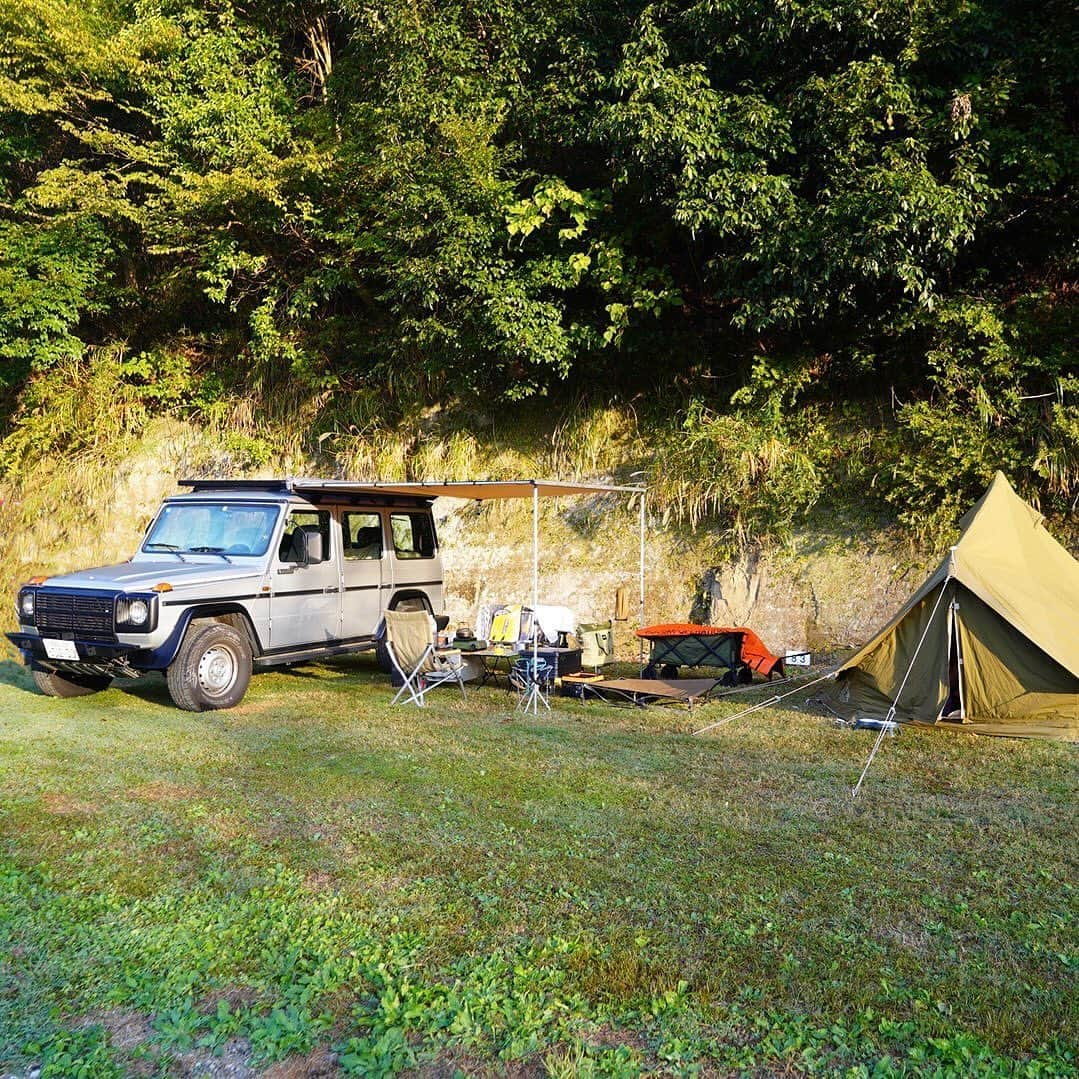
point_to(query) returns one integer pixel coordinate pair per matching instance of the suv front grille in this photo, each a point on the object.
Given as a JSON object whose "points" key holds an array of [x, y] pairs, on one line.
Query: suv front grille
{"points": [[88, 617]]}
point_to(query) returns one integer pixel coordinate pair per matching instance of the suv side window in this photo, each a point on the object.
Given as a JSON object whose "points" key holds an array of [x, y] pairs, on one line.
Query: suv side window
{"points": [[362, 533], [413, 535], [304, 521]]}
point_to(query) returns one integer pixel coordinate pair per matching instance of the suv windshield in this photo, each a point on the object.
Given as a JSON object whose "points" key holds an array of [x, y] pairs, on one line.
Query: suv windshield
{"points": [[212, 528]]}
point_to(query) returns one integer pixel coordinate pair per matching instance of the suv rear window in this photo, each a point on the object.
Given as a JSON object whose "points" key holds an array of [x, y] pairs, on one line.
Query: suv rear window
{"points": [[362, 534], [413, 535]]}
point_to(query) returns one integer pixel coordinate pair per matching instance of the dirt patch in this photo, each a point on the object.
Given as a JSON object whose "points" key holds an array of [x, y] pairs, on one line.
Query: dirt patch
{"points": [[912, 937], [319, 1064], [318, 881], [233, 1062], [448, 1065], [606, 1036], [64, 805], [162, 792], [126, 1029], [235, 996], [129, 1030]]}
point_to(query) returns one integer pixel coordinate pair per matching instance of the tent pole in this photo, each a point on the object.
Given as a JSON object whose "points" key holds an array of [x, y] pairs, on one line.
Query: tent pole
{"points": [[640, 607]]}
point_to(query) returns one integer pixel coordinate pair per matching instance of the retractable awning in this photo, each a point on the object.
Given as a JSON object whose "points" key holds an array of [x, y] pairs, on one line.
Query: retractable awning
{"points": [[479, 490], [476, 490]]}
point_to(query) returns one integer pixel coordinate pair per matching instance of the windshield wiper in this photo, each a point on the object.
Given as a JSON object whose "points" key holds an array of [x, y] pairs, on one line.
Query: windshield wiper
{"points": [[170, 547], [211, 550]]}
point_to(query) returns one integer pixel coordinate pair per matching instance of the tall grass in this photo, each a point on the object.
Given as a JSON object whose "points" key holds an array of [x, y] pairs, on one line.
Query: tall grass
{"points": [[594, 440], [754, 479]]}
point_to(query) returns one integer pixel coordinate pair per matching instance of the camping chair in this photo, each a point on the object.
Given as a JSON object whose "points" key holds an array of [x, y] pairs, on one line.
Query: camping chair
{"points": [[597, 644], [533, 678], [410, 643]]}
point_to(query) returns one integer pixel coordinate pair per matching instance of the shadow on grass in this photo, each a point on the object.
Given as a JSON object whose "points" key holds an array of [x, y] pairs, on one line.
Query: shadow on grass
{"points": [[301, 671], [14, 673], [151, 689]]}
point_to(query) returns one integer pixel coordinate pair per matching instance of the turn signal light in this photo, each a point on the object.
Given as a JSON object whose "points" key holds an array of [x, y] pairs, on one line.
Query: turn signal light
{"points": [[38, 580], [163, 586]]}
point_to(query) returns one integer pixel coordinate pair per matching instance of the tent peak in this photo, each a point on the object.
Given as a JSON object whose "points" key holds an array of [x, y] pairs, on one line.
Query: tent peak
{"points": [[1000, 498]]}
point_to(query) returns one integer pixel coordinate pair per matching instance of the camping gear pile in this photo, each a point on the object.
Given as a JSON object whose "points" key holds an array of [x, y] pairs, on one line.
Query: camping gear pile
{"points": [[684, 644], [988, 642]]}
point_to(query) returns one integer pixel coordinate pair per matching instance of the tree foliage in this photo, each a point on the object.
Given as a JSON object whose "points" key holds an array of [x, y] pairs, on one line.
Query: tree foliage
{"points": [[760, 206]]}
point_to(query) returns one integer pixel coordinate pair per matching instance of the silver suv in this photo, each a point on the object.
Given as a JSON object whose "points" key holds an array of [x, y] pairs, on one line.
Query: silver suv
{"points": [[235, 575]]}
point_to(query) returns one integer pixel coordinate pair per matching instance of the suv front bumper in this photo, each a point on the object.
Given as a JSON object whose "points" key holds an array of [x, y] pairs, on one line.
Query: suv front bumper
{"points": [[95, 657]]}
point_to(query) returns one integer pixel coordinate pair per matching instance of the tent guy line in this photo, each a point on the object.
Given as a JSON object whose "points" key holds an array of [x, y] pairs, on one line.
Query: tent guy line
{"points": [[886, 726], [765, 704]]}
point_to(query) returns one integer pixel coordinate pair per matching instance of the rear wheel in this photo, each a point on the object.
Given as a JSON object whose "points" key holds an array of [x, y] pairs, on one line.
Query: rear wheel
{"points": [[211, 669], [54, 684]]}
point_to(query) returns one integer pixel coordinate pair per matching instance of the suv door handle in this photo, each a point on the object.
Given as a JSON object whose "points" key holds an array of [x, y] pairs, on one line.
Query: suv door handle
{"points": [[331, 588]]}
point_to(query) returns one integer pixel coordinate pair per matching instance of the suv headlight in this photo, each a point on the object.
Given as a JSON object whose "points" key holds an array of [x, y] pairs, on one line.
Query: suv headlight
{"points": [[25, 607], [136, 612]]}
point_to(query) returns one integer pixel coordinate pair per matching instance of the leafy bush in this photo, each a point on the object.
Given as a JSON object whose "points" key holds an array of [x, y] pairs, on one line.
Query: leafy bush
{"points": [[362, 217]]}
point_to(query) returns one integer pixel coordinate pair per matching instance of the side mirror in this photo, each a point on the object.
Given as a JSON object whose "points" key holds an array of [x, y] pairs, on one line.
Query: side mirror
{"points": [[311, 546]]}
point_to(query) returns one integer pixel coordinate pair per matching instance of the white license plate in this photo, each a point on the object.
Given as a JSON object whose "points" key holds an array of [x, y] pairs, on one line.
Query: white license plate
{"points": [[60, 649]]}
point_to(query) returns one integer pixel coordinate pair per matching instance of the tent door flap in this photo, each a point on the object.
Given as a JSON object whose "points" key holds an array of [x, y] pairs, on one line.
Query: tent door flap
{"points": [[955, 709]]}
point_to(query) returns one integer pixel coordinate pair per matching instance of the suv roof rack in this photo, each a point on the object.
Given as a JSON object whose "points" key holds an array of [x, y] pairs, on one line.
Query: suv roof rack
{"points": [[238, 485], [315, 490]]}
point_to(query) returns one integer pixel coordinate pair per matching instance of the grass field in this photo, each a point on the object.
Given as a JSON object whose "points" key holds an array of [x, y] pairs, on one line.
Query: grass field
{"points": [[316, 882]]}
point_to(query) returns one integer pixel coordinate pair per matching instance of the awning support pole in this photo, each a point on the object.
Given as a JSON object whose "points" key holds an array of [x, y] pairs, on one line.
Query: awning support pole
{"points": [[535, 696], [640, 607]]}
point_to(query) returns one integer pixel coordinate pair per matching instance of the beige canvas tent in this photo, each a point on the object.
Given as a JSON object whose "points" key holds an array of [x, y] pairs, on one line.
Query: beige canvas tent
{"points": [[990, 641]]}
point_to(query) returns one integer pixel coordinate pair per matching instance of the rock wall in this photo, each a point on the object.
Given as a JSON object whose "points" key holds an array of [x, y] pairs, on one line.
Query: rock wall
{"points": [[819, 593], [815, 602]]}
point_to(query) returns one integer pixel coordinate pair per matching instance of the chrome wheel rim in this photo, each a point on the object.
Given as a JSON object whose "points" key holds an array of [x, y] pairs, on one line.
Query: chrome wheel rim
{"points": [[218, 670]]}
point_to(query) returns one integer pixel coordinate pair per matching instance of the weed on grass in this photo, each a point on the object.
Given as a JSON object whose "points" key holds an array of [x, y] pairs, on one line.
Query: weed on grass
{"points": [[316, 876]]}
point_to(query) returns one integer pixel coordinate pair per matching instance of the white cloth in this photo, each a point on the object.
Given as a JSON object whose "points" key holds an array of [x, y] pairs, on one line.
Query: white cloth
{"points": [[484, 618], [554, 620]]}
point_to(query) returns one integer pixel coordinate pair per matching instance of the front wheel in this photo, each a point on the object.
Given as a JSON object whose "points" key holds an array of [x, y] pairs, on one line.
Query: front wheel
{"points": [[53, 684], [211, 669]]}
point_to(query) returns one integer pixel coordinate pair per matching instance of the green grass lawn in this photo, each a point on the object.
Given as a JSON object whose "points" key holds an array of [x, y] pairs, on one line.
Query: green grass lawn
{"points": [[318, 881]]}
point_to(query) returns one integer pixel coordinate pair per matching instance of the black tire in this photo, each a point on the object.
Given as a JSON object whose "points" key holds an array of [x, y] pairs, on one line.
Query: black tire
{"points": [[54, 684], [211, 669]]}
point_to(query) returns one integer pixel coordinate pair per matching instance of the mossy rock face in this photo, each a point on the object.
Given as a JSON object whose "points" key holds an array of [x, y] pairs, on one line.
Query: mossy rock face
{"points": [[822, 591], [829, 596]]}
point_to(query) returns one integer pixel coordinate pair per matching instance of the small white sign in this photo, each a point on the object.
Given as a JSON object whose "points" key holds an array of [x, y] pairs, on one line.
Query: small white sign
{"points": [[60, 649], [797, 659]]}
